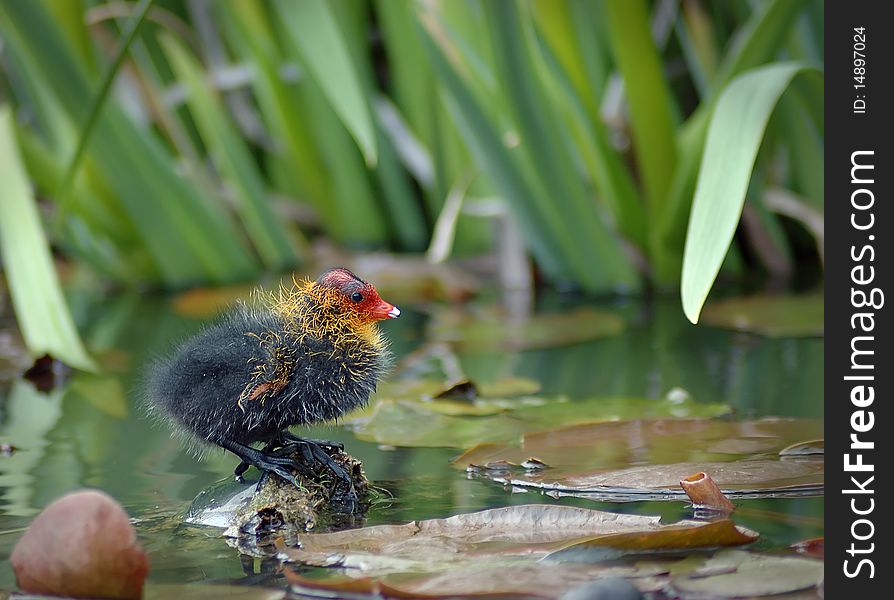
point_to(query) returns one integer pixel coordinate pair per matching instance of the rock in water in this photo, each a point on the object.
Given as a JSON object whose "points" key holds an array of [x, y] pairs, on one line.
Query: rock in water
{"points": [[247, 515], [82, 545]]}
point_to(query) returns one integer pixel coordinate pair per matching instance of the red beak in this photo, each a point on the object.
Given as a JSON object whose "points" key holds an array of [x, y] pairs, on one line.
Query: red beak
{"points": [[383, 310]]}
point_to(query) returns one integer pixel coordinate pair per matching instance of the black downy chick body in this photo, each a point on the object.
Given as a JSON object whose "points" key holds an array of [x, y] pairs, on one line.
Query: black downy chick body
{"points": [[305, 356]]}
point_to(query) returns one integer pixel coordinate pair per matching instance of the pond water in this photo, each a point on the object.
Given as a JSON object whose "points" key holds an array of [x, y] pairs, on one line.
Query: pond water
{"points": [[88, 433]]}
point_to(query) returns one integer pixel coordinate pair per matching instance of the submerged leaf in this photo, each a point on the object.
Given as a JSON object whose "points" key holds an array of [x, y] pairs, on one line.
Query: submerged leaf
{"points": [[410, 423], [772, 316], [752, 575], [489, 330]]}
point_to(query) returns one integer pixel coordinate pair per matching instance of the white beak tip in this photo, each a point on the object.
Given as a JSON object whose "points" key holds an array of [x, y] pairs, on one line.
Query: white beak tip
{"points": [[394, 312]]}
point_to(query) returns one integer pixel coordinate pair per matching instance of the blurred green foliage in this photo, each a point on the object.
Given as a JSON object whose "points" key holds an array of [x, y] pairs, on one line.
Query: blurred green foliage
{"points": [[233, 132]]}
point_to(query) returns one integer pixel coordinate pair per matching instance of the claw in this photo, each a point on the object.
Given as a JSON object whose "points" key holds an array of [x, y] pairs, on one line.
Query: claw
{"points": [[279, 460], [241, 468]]}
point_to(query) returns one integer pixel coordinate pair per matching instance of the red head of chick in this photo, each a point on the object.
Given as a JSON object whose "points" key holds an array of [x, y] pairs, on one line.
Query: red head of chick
{"points": [[303, 356]]}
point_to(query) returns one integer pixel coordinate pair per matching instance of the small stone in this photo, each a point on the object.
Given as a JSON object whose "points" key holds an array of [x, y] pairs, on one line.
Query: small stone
{"points": [[82, 545]]}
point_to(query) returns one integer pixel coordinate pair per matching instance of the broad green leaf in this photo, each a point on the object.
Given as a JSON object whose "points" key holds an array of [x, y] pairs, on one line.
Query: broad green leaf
{"points": [[734, 137], [40, 307], [315, 33]]}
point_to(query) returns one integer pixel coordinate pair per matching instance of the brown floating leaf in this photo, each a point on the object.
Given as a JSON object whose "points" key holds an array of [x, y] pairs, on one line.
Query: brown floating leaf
{"points": [[773, 316], [607, 459], [512, 533], [671, 537], [500, 552], [530, 580], [704, 493]]}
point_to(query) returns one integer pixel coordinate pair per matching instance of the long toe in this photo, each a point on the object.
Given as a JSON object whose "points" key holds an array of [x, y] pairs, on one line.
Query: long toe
{"points": [[291, 463], [324, 459], [287, 437]]}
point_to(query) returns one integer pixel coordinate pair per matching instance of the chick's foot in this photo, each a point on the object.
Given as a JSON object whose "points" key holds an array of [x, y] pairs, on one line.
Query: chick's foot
{"points": [[313, 452], [268, 462]]}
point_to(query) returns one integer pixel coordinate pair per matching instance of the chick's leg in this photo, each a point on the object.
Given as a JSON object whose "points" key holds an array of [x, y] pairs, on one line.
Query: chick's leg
{"points": [[267, 462]]}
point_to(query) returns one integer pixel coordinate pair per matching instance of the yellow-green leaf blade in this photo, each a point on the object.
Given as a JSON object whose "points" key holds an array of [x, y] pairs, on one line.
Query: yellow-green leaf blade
{"points": [[42, 313], [734, 137]]}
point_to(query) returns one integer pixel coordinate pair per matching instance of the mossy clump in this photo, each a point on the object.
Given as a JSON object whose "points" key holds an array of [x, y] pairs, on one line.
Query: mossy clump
{"points": [[282, 508]]}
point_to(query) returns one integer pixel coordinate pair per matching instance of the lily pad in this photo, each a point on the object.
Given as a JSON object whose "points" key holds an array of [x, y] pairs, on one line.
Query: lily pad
{"points": [[435, 424], [772, 316], [749, 575], [489, 329], [646, 459], [502, 551]]}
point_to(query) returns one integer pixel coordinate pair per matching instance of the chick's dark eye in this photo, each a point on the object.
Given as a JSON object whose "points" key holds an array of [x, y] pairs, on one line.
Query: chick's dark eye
{"points": [[356, 297]]}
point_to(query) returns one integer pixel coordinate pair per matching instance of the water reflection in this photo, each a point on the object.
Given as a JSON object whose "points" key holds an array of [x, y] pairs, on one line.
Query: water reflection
{"points": [[89, 434]]}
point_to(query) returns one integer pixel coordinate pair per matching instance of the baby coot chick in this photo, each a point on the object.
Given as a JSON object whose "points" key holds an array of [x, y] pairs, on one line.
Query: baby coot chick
{"points": [[304, 356]]}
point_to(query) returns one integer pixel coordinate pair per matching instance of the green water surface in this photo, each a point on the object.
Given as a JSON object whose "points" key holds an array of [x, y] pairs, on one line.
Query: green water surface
{"points": [[88, 433]]}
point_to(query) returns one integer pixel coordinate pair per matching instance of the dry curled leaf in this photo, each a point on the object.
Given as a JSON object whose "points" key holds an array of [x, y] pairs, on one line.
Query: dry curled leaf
{"points": [[705, 493]]}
